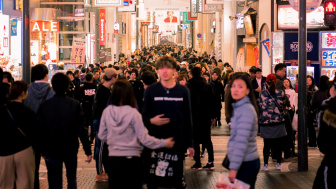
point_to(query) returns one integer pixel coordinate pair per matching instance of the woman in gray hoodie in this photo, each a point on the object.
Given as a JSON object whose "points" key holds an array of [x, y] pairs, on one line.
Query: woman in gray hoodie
{"points": [[122, 128], [242, 150]]}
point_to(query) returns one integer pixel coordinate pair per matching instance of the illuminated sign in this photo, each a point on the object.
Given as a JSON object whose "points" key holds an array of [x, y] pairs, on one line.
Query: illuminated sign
{"points": [[328, 58], [44, 26], [108, 3], [102, 26], [330, 7], [193, 8], [116, 27], [288, 18], [328, 40], [330, 72]]}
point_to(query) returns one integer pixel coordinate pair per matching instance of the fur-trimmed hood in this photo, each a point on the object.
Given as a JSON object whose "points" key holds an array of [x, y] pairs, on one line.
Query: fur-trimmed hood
{"points": [[329, 118]]}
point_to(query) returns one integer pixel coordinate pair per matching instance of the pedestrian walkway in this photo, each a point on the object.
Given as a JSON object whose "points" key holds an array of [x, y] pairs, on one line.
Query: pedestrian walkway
{"points": [[287, 178]]}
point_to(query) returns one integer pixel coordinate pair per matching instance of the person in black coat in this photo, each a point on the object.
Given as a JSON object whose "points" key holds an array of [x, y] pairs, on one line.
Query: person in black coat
{"points": [[4, 89], [219, 94], [203, 113], [258, 82], [321, 94], [61, 123], [326, 142]]}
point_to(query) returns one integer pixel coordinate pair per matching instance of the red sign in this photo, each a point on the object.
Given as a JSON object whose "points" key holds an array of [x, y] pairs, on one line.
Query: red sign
{"points": [[44, 26], [330, 7], [102, 26], [191, 18], [5, 41]]}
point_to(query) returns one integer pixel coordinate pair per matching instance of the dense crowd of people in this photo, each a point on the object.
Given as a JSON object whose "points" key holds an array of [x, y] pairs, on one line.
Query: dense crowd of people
{"points": [[146, 113]]}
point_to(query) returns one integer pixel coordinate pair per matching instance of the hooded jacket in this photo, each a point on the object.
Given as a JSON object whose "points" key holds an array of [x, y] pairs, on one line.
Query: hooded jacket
{"points": [[36, 92], [123, 129]]}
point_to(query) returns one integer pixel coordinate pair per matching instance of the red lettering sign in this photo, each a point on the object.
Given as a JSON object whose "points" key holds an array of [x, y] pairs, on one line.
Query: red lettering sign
{"points": [[44, 26], [102, 26], [5, 41]]}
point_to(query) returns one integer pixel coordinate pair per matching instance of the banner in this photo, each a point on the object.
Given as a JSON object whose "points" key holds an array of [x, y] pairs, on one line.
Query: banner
{"points": [[102, 26], [14, 27], [292, 46], [266, 44], [78, 50]]}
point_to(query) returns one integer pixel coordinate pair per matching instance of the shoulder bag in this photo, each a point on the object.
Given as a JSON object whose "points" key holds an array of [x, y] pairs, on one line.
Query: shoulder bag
{"points": [[13, 120]]}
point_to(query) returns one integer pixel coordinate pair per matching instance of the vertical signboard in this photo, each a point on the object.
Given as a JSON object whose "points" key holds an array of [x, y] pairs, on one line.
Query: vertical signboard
{"points": [[277, 47], [193, 8], [78, 50], [102, 26], [199, 6], [328, 54], [14, 27]]}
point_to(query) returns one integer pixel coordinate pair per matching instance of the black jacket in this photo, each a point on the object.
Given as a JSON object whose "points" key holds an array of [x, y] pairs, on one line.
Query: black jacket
{"points": [[4, 90], [218, 89], [326, 139], [138, 92], [11, 139], [256, 86], [318, 97], [61, 123], [202, 103]]}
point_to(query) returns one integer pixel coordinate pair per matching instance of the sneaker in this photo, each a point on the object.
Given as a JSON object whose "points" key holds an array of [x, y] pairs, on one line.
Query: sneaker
{"points": [[265, 167], [102, 177], [209, 165], [278, 166], [197, 166]]}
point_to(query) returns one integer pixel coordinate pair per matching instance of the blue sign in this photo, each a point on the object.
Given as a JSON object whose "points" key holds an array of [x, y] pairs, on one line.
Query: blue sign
{"points": [[292, 46], [14, 27], [126, 3], [199, 35]]}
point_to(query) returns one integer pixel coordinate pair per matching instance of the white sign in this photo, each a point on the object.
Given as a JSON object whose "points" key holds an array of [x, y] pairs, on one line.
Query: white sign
{"points": [[240, 21], [277, 47], [288, 18], [130, 8], [328, 40], [330, 72], [165, 5], [108, 3], [215, 2]]}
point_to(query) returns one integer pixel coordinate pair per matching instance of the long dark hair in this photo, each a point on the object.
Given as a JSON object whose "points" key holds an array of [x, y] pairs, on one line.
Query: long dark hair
{"points": [[312, 86], [229, 100], [16, 89], [290, 83], [123, 94]]}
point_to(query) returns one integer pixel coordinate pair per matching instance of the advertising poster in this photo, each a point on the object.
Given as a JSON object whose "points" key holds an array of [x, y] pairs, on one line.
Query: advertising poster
{"points": [[14, 27], [102, 55], [292, 46], [78, 50], [167, 17], [108, 54]]}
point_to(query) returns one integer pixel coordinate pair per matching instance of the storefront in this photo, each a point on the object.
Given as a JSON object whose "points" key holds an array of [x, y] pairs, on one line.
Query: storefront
{"points": [[43, 40]]}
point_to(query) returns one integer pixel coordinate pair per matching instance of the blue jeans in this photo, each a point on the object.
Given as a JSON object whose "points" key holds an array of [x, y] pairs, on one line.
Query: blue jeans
{"points": [[100, 150], [55, 167]]}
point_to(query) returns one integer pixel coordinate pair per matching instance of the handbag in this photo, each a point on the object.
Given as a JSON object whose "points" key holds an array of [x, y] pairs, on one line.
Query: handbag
{"points": [[226, 162]]}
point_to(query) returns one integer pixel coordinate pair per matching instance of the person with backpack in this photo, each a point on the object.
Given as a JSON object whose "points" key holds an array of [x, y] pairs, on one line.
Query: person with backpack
{"points": [[38, 92]]}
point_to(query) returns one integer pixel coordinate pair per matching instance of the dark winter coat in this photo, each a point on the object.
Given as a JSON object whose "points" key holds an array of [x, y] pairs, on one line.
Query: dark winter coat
{"points": [[218, 89], [61, 123], [4, 90], [202, 106], [256, 86]]}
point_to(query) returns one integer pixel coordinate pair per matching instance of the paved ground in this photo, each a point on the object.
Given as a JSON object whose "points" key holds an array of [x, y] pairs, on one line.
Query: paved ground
{"points": [[287, 178]]}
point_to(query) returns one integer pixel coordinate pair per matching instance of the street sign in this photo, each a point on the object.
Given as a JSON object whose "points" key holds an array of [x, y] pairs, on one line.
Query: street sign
{"points": [[199, 35]]}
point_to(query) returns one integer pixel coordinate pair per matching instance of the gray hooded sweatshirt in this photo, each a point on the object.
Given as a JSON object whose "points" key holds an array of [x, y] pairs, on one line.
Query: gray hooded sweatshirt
{"points": [[36, 92], [123, 130]]}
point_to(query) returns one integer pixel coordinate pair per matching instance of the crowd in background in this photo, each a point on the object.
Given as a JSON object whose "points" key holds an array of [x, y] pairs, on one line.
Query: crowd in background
{"points": [[167, 99]]}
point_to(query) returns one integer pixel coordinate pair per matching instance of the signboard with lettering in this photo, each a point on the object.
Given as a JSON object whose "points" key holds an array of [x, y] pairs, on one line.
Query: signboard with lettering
{"points": [[211, 8], [292, 46], [277, 47], [102, 27], [328, 58], [199, 6], [108, 3], [330, 72], [44, 26], [193, 8], [328, 40], [288, 18], [78, 50], [14, 27]]}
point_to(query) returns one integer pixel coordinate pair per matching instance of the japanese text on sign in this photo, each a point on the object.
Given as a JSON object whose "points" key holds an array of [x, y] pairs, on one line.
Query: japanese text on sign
{"points": [[329, 40], [330, 72], [328, 58], [78, 50]]}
